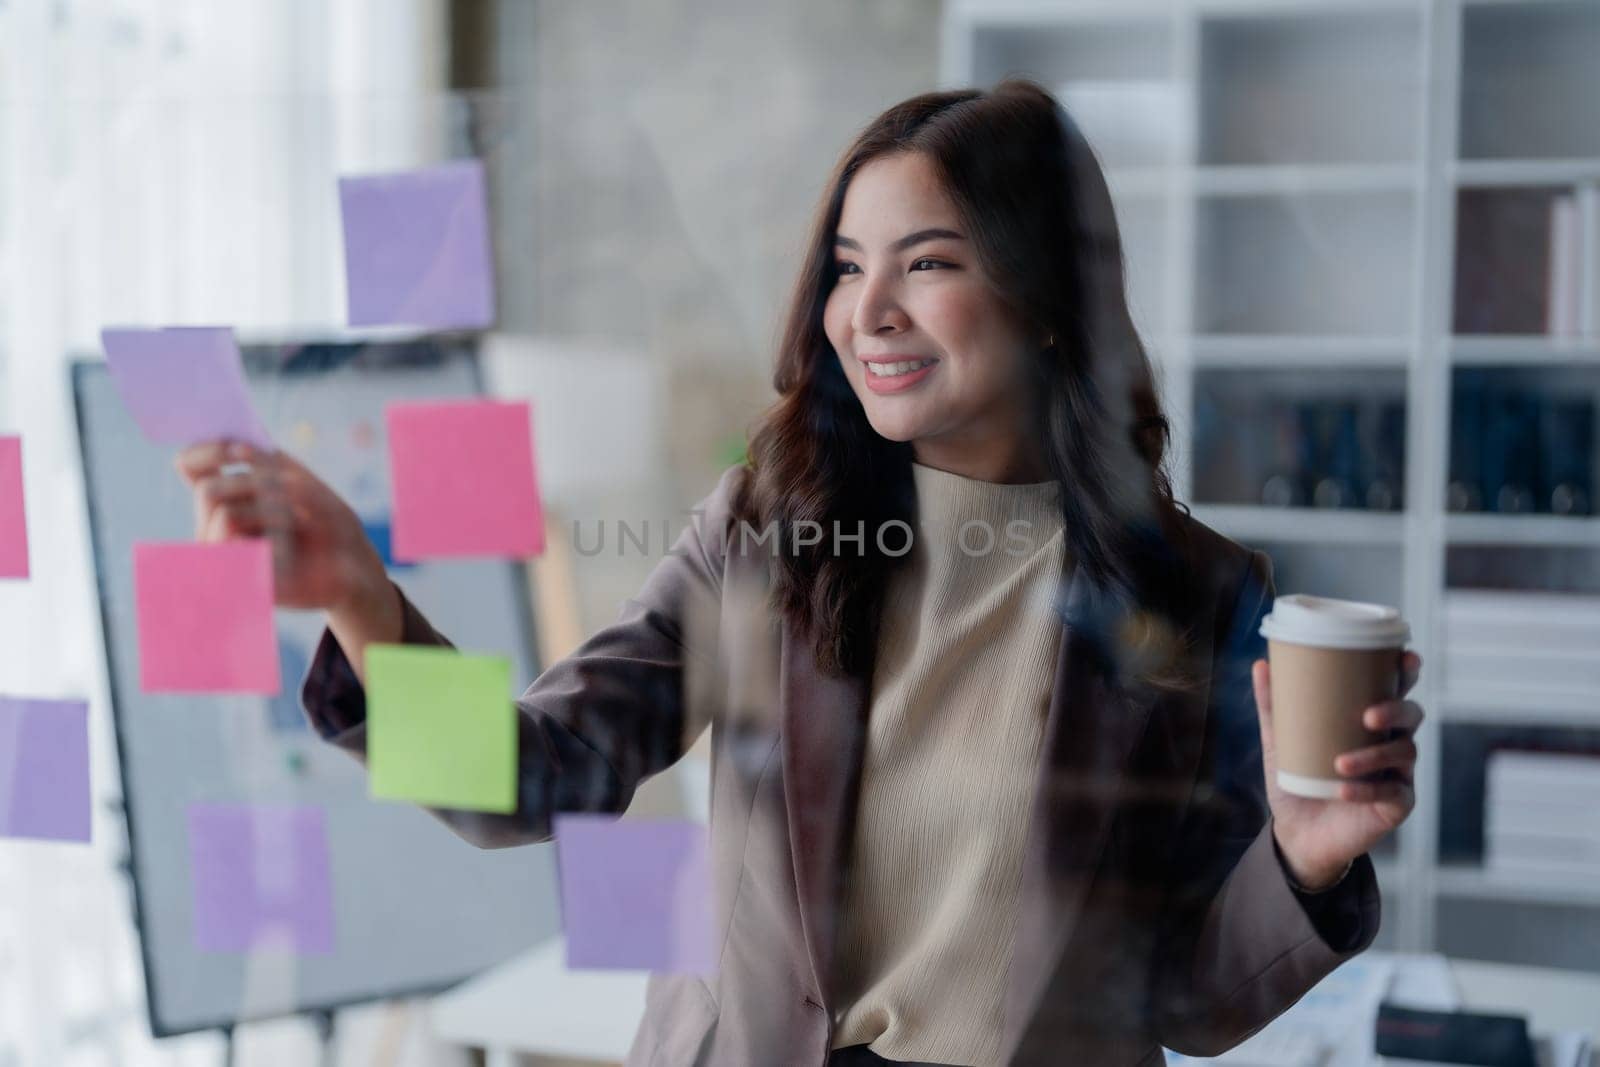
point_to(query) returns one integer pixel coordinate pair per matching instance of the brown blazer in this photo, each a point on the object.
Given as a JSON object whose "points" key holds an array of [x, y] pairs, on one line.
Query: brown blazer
{"points": [[1154, 909]]}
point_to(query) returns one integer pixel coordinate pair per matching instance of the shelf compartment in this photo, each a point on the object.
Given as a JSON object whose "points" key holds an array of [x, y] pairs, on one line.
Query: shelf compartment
{"points": [[1489, 707], [1555, 531], [1319, 264], [1464, 749], [1530, 84], [1527, 932], [1299, 178], [1277, 351], [1310, 87], [1528, 349], [1495, 173], [1115, 78], [1523, 444], [1520, 261], [1472, 882], [1250, 525], [1348, 570], [1332, 439], [1142, 222]]}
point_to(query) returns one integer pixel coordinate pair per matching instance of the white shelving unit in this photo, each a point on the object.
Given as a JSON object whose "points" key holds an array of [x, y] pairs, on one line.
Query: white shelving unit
{"points": [[1287, 176]]}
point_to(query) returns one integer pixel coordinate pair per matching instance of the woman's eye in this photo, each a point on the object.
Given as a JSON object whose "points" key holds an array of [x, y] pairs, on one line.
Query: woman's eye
{"points": [[846, 267]]}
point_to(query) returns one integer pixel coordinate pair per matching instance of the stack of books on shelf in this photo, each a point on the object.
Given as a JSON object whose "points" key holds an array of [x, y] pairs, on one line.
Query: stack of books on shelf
{"points": [[1528, 652], [1564, 297], [1520, 265], [1539, 816]]}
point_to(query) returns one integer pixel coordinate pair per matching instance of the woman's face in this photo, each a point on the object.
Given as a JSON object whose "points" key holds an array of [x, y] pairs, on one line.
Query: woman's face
{"points": [[932, 352]]}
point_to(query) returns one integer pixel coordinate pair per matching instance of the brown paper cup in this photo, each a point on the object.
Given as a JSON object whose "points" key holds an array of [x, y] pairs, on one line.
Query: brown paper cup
{"points": [[1318, 696], [1331, 660]]}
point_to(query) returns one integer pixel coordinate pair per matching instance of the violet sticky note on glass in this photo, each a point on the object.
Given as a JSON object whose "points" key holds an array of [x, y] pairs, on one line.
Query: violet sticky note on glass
{"points": [[204, 615], [635, 894], [44, 769], [13, 513], [416, 248], [463, 480], [184, 384], [262, 878]]}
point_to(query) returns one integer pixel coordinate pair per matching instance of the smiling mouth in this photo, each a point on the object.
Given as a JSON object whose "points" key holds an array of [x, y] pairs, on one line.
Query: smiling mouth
{"points": [[895, 370]]}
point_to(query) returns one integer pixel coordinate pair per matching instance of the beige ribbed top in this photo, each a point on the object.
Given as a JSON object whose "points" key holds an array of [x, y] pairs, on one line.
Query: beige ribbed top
{"points": [[965, 664]]}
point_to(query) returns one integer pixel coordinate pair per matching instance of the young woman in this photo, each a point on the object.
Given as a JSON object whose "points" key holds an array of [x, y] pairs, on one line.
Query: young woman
{"points": [[992, 748]]}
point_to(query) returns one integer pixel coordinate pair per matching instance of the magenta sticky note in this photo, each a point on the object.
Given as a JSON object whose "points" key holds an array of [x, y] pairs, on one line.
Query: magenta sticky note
{"points": [[205, 617], [262, 878], [184, 384], [13, 514], [463, 481], [44, 769], [416, 248], [635, 894]]}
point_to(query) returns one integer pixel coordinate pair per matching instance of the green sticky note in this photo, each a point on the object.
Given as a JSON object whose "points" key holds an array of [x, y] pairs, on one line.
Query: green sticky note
{"points": [[441, 728]]}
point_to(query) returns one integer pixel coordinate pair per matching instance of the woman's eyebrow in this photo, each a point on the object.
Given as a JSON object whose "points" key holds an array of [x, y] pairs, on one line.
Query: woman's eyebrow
{"points": [[905, 242]]}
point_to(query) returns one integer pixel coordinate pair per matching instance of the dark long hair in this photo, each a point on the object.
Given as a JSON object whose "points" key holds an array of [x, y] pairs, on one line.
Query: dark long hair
{"points": [[1036, 208]]}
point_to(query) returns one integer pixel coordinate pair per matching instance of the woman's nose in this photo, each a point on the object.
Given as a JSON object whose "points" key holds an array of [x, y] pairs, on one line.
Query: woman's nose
{"points": [[878, 309]]}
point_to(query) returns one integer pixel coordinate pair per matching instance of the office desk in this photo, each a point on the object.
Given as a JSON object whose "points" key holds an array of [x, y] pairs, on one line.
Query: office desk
{"points": [[533, 1010], [1551, 999], [533, 1006]]}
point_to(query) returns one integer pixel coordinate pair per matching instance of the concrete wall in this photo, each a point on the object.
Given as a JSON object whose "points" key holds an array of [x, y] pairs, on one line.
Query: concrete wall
{"points": [[654, 168]]}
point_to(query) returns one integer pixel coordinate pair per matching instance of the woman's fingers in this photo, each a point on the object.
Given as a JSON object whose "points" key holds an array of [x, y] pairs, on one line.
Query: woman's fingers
{"points": [[1391, 792], [250, 517], [1404, 715], [206, 459], [1410, 670], [1400, 754]]}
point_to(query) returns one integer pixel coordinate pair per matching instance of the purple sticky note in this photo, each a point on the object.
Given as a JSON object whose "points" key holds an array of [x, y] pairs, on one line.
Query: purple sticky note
{"points": [[13, 516], [44, 769], [184, 384], [261, 878], [416, 248], [205, 617], [635, 894]]}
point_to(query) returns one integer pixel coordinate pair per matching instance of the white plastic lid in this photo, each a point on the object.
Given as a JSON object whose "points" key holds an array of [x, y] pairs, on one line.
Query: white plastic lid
{"points": [[1323, 622]]}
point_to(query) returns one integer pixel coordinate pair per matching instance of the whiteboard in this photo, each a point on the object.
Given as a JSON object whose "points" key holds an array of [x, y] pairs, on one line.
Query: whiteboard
{"points": [[416, 909]]}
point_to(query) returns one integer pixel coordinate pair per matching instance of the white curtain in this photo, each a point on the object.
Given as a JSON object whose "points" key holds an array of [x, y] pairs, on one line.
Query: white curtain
{"points": [[161, 162]]}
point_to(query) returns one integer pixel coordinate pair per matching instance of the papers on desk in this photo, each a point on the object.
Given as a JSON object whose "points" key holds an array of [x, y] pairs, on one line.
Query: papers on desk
{"points": [[1566, 1049], [1332, 1025]]}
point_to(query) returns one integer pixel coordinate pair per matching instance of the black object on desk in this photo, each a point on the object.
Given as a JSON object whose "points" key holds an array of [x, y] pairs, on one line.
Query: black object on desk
{"points": [[1453, 1037]]}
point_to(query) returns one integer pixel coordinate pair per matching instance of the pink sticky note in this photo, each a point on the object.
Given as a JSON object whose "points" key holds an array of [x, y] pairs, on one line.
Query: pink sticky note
{"points": [[205, 617], [463, 480], [13, 520]]}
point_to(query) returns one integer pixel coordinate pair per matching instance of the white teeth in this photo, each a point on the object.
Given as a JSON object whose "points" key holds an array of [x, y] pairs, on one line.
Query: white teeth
{"points": [[891, 370]]}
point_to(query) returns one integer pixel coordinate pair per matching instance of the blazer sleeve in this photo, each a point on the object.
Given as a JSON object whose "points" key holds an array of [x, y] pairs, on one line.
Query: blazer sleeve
{"points": [[1240, 943], [594, 725]]}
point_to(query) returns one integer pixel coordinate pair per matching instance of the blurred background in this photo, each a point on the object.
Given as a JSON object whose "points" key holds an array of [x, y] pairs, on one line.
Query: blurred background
{"points": [[1363, 243]]}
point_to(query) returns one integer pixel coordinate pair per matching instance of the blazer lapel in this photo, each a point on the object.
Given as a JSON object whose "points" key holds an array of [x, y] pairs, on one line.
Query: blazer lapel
{"points": [[824, 736], [1090, 731]]}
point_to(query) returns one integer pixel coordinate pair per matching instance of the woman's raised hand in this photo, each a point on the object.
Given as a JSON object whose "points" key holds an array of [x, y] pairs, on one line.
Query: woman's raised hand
{"points": [[322, 558]]}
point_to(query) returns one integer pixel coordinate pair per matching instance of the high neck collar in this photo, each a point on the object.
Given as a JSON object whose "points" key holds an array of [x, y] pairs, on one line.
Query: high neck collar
{"points": [[943, 497]]}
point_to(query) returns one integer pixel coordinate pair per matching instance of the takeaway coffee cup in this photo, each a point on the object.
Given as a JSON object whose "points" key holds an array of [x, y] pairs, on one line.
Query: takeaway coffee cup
{"points": [[1331, 660]]}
